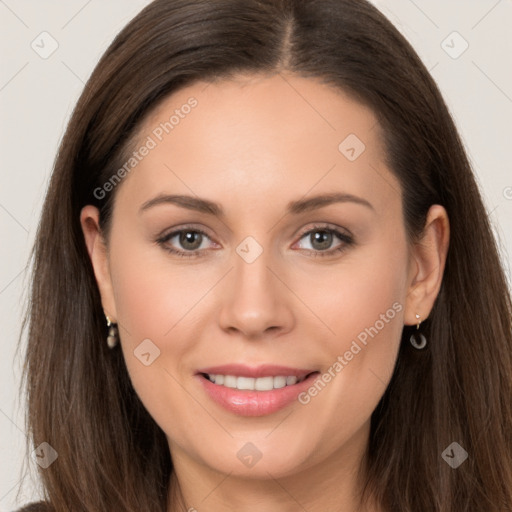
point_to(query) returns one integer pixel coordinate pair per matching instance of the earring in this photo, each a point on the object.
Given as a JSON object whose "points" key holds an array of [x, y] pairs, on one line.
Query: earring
{"points": [[417, 339], [112, 338]]}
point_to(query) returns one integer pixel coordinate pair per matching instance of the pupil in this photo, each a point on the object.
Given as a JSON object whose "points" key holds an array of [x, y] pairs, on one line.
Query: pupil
{"points": [[324, 239], [187, 237]]}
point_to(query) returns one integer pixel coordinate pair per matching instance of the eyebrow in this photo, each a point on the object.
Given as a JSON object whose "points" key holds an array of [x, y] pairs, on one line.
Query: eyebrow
{"points": [[319, 201], [294, 207]]}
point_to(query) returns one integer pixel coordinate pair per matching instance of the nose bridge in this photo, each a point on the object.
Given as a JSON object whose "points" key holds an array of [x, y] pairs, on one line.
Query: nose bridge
{"points": [[255, 301]]}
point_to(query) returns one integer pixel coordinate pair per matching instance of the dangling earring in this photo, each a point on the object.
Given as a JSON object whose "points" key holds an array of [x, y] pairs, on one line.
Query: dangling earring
{"points": [[417, 339], [112, 338]]}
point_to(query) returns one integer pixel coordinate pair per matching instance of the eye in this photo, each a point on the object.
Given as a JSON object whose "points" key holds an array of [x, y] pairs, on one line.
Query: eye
{"points": [[193, 242], [321, 239]]}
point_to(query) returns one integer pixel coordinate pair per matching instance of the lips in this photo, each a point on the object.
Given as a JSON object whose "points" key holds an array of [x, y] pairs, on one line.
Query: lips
{"points": [[246, 390]]}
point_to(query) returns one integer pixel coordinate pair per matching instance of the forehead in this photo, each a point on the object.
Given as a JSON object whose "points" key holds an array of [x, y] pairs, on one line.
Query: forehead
{"points": [[256, 135], [263, 108]]}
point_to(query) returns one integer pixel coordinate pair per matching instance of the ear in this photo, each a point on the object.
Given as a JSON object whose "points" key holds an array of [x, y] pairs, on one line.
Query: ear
{"points": [[97, 249], [427, 263]]}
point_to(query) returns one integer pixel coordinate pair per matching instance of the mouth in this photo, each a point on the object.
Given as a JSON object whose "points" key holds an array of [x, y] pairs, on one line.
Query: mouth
{"points": [[255, 391]]}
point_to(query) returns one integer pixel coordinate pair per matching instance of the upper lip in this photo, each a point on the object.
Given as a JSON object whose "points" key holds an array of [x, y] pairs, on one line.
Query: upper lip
{"points": [[266, 370]]}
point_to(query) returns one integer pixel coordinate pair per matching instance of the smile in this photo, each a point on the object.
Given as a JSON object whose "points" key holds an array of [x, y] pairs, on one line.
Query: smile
{"points": [[254, 391]]}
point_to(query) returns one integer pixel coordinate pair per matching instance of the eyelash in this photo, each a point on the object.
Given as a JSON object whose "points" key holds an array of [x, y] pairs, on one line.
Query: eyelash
{"points": [[345, 238]]}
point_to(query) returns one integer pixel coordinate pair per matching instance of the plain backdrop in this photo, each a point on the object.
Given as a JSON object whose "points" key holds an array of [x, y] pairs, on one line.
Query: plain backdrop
{"points": [[466, 45]]}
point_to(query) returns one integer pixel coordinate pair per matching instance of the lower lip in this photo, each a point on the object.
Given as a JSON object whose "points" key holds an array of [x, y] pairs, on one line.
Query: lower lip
{"points": [[254, 403]]}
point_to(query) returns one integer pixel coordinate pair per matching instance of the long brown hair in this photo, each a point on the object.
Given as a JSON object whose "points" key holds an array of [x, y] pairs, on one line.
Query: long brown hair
{"points": [[112, 455]]}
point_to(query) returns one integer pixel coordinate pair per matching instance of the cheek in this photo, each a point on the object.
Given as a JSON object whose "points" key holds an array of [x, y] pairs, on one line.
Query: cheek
{"points": [[372, 321], [153, 305], [366, 289], [160, 306], [153, 293], [365, 311]]}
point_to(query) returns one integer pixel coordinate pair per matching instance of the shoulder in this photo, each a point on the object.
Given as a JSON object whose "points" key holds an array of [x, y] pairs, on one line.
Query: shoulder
{"points": [[40, 506]]}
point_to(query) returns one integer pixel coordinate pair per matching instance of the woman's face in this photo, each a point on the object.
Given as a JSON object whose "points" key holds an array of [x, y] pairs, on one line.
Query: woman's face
{"points": [[259, 236]]}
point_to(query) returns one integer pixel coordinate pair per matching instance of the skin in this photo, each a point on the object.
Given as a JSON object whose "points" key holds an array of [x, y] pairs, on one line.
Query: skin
{"points": [[253, 144]]}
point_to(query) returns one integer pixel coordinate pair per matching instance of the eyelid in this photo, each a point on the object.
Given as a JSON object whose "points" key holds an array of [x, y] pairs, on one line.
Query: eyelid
{"points": [[166, 234], [327, 226]]}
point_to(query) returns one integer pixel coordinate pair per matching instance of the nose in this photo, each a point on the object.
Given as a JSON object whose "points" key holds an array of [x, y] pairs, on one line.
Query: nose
{"points": [[256, 303]]}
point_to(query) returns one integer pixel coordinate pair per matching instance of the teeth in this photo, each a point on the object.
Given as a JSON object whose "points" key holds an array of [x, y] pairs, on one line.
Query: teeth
{"points": [[229, 380], [252, 384], [264, 384], [279, 382]]}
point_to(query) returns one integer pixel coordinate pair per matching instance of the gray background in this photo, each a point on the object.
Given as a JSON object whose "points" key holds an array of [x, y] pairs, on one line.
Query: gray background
{"points": [[37, 96]]}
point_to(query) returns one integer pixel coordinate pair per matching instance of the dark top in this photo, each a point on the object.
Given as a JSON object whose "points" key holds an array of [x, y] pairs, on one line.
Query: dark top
{"points": [[40, 506]]}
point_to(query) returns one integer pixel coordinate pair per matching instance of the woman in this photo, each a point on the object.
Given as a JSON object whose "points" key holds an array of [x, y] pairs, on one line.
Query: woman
{"points": [[338, 334]]}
